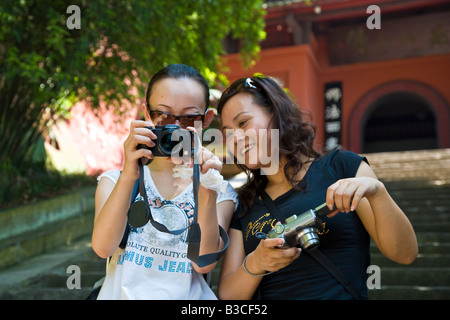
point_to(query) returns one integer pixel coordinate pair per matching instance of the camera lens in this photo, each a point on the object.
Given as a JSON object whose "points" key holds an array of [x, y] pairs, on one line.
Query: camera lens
{"points": [[308, 238], [166, 144]]}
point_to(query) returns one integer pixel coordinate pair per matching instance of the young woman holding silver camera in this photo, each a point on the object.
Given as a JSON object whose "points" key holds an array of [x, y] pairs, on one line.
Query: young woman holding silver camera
{"points": [[258, 268], [154, 265]]}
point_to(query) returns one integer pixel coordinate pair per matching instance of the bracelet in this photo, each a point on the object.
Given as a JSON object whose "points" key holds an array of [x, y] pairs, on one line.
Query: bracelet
{"points": [[251, 274]]}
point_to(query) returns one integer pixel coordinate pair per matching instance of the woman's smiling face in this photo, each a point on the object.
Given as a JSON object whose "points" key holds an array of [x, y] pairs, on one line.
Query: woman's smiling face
{"points": [[245, 125]]}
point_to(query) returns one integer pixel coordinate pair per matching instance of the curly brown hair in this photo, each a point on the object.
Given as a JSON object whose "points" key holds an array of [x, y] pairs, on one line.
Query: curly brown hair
{"points": [[296, 133]]}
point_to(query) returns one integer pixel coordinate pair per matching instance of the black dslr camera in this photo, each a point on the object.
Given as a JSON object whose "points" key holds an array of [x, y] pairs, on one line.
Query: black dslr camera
{"points": [[171, 141], [301, 231]]}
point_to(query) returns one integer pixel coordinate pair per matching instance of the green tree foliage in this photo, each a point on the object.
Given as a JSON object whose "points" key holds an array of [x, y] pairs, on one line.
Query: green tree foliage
{"points": [[45, 67]]}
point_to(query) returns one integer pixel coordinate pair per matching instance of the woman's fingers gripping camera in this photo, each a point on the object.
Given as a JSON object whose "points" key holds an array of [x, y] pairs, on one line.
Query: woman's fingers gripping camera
{"points": [[140, 135], [206, 159], [271, 258]]}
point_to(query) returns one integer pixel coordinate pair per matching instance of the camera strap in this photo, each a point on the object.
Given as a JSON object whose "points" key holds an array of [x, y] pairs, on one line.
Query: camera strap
{"points": [[315, 253], [140, 214], [194, 235]]}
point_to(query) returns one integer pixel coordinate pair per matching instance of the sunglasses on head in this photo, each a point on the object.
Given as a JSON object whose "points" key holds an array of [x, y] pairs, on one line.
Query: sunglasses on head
{"points": [[240, 84], [161, 118]]}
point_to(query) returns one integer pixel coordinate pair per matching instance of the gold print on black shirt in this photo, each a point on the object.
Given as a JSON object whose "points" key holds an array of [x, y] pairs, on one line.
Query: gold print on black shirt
{"points": [[258, 225], [324, 229]]}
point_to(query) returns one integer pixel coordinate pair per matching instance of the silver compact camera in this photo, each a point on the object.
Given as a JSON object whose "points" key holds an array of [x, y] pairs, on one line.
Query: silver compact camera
{"points": [[301, 231]]}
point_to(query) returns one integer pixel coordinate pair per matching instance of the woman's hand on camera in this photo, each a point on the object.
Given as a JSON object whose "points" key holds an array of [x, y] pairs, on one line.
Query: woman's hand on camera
{"points": [[345, 194], [269, 257], [206, 159], [139, 134]]}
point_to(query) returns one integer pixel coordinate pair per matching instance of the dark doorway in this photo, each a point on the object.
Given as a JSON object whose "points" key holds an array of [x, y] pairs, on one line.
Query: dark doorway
{"points": [[399, 121]]}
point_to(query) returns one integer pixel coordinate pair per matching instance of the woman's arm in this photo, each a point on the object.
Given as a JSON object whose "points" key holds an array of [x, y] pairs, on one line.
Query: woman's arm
{"points": [[382, 217], [112, 201], [111, 206], [234, 281]]}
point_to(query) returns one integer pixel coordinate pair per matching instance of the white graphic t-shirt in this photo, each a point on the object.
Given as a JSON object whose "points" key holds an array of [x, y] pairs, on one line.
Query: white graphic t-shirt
{"points": [[154, 264]]}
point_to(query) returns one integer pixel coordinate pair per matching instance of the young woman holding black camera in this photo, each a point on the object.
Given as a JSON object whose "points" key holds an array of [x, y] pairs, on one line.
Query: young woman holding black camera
{"points": [[257, 268], [154, 265]]}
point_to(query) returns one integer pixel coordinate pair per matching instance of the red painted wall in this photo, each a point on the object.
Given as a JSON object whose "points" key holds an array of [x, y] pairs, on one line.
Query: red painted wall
{"points": [[304, 70]]}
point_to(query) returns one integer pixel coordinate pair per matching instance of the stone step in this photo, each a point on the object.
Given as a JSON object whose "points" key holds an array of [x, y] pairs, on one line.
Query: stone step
{"points": [[58, 279], [431, 202], [429, 247], [35, 216], [398, 292], [411, 173], [416, 276], [431, 165], [33, 229], [434, 247], [21, 247], [417, 188], [438, 227], [44, 259], [421, 219], [407, 164], [433, 237], [51, 267], [422, 157], [437, 195], [423, 260], [422, 197], [47, 293]]}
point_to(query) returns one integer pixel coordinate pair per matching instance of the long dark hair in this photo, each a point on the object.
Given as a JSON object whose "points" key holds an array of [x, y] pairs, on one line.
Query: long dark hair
{"points": [[296, 133], [177, 71]]}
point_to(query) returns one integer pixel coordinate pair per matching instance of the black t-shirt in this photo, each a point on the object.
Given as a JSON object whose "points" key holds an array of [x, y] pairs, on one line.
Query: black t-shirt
{"points": [[344, 239]]}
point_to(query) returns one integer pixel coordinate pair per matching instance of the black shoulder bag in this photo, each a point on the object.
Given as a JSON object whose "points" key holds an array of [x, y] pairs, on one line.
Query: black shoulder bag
{"points": [[315, 253]]}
